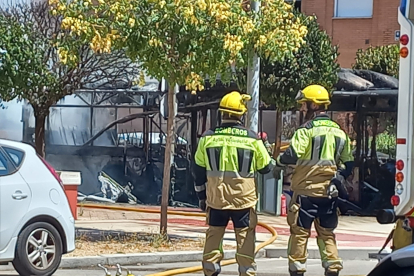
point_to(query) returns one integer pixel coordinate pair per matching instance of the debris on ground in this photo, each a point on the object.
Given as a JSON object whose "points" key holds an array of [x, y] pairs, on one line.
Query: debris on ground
{"points": [[125, 243]]}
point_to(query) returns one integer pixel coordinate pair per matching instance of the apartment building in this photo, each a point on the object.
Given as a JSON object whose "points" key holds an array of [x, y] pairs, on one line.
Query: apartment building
{"points": [[355, 24]]}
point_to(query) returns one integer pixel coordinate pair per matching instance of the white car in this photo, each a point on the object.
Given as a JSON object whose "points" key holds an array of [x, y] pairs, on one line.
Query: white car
{"points": [[36, 224]]}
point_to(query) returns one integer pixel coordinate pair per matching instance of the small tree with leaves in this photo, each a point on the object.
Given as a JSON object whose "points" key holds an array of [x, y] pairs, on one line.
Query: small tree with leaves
{"points": [[381, 59], [181, 41], [31, 65], [24, 73], [314, 63]]}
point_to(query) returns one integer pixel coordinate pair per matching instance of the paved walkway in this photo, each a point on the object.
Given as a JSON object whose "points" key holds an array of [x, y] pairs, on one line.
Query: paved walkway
{"points": [[352, 232], [266, 267]]}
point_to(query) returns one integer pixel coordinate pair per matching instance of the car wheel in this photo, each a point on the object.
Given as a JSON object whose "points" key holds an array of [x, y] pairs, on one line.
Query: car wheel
{"points": [[38, 250]]}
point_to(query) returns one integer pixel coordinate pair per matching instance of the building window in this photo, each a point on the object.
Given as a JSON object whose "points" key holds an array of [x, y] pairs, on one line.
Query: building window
{"points": [[353, 8]]}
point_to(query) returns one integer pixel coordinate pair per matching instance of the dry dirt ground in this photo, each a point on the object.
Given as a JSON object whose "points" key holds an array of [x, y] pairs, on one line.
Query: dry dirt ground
{"points": [[93, 244]]}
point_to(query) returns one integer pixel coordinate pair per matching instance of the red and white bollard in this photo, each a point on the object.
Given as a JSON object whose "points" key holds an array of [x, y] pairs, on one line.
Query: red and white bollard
{"points": [[283, 212]]}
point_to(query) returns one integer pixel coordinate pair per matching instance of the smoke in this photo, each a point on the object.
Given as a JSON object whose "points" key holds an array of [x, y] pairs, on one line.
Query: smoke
{"points": [[11, 126], [72, 126], [66, 126]]}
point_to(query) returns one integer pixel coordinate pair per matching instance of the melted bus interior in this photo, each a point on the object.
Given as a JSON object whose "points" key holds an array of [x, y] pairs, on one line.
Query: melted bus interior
{"points": [[373, 112]]}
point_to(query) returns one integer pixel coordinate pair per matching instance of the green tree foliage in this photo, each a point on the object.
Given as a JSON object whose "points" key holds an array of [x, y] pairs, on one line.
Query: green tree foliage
{"points": [[386, 143], [314, 63], [30, 68], [183, 41], [382, 59], [24, 73], [22, 64]]}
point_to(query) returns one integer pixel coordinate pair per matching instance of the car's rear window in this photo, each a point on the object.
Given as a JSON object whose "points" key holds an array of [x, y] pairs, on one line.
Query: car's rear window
{"points": [[15, 155]]}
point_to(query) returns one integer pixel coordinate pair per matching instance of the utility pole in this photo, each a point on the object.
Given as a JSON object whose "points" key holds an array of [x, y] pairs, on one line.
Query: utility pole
{"points": [[253, 76]]}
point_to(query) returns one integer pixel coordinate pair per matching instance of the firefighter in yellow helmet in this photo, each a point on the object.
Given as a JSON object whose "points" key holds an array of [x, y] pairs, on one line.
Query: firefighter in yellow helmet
{"points": [[317, 149], [225, 162]]}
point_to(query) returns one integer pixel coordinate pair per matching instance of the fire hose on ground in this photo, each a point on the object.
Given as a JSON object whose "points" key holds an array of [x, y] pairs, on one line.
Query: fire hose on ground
{"points": [[181, 213]]}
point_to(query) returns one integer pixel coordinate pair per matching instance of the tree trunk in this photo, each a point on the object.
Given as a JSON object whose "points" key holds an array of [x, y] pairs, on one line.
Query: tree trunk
{"points": [[278, 138], [40, 119], [167, 159]]}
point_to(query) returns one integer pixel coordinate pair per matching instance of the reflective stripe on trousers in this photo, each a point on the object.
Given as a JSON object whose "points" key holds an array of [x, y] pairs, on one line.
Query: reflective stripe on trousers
{"points": [[210, 268], [297, 266], [332, 265], [245, 237], [328, 250], [200, 188], [246, 266], [212, 255], [298, 241]]}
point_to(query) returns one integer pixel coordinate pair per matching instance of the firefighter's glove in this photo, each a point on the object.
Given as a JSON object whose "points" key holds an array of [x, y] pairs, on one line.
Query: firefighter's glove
{"points": [[277, 168], [202, 205], [332, 190], [339, 183]]}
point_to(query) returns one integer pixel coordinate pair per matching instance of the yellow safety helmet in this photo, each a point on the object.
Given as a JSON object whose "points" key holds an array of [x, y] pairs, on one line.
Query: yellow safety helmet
{"points": [[314, 93], [234, 103]]}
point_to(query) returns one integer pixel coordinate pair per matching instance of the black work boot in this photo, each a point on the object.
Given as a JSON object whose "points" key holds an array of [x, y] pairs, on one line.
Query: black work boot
{"points": [[215, 274]]}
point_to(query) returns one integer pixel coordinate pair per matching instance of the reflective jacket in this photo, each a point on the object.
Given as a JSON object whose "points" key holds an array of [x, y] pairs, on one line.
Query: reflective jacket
{"points": [[225, 162], [317, 148]]}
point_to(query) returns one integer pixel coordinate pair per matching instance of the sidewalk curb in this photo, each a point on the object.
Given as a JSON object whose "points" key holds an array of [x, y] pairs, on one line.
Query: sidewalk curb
{"points": [[143, 258], [193, 256], [346, 254]]}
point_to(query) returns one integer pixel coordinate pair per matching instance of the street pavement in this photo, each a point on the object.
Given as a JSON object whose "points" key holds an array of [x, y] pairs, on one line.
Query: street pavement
{"points": [[266, 267], [352, 232]]}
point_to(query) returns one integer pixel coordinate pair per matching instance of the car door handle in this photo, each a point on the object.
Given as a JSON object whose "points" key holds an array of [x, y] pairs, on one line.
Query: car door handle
{"points": [[19, 195]]}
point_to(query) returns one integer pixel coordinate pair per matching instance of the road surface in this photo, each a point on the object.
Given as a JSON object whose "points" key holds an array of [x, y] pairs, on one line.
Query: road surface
{"points": [[266, 267]]}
